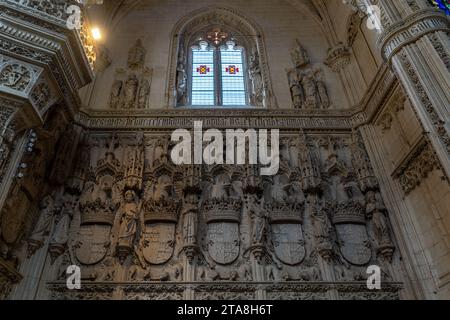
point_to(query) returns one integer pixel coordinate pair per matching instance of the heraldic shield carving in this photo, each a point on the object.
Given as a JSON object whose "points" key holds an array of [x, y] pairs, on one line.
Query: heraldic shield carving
{"points": [[223, 219], [93, 243], [289, 243], [97, 219], [287, 233], [159, 242], [352, 234]]}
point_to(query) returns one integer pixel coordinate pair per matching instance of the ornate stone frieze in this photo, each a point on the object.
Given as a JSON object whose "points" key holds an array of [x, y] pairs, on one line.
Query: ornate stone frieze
{"points": [[416, 167]]}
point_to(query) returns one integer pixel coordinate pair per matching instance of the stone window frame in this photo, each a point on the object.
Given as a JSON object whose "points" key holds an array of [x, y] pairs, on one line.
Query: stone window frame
{"points": [[249, 35]]}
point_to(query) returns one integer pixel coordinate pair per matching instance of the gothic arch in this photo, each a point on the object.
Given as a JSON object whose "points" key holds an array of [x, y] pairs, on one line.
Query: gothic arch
{"points": [[230, 18]]}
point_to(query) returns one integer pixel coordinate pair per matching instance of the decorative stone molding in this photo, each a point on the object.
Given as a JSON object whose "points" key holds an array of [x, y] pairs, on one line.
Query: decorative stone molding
{"points": [[416, 166], [412, 29], [41, 47], [338, 58], [226, 291]]}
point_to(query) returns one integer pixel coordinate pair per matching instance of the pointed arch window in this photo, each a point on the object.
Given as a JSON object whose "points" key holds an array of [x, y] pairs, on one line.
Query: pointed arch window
{"points": [[218, 75]]}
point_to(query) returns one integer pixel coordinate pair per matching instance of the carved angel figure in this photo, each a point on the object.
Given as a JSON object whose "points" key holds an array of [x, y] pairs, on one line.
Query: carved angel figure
{"points": [[221, 188], [163, 190]]}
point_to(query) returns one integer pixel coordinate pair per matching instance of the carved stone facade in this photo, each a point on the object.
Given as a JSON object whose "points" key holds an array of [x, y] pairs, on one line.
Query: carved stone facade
{"points": [[87, 178]]}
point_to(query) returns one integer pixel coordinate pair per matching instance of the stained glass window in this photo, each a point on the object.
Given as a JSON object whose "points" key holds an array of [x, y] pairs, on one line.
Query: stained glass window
{"points": [[443, 5], [203, 93], [218, 77], [233, 83]]}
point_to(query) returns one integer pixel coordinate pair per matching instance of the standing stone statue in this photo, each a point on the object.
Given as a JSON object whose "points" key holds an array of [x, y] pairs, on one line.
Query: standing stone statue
{"points": [[131, 88], [322, 226], [259, 218], [181, 79], [375, 209], [116, 92], [296, 89], [129, 218], [310, 89], [136, 56], [43, 226], [322, 91], [256, 78], [144, 93], [300, 57]]}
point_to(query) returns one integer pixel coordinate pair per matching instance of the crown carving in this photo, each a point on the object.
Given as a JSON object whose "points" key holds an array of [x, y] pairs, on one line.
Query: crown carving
{"points": [[223, 210], [97, 212], [349, 212], [284, 212], [161, 211]]}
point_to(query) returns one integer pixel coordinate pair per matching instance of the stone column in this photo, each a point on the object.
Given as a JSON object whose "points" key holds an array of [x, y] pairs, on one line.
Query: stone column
{"points": [[415, 41]]}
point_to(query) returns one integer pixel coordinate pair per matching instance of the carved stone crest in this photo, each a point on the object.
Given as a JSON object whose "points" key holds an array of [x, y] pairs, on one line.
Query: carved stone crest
{"points": [[352, 233]]}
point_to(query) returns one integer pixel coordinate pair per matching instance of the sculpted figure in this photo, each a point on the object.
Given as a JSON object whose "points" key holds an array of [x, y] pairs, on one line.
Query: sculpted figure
{"points": [[116, 92], [136, 56], [61, 233], [299, 55], [278, 190], [296, 89], [221, 188], [131, 87], [181, 79], [129, 218], [309, 87], [42, 228], [256, 77], [259, 218], [144, 92], [376, 209], [163, 190], [322, 226], [322, 91]]}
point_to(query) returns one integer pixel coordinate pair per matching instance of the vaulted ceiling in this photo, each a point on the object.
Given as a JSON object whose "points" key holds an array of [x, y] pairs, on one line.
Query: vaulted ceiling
{"points": [[112, 12]]}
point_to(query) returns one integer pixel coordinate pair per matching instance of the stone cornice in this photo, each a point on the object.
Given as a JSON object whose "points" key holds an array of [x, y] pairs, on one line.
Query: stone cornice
{"points": [[411, 29], [346, 119]]}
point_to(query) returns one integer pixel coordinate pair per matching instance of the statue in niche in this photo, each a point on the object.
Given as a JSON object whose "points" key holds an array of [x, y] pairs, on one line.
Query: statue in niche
{"points": [[256, 78], [259, 218], [309, 86], [136, 56], [296, 89], [375, 210], [131, 88], [322, 226], [60, 235], [221, 188], [43, 226], [278, 191], [129, 214], [300, 57], [144, 93], [322, 91], [181, 79], [116, 92], [160, 153], [163, 190], [89, 193]]}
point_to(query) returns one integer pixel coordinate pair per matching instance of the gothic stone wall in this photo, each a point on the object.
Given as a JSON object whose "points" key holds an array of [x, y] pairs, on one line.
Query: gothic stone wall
{"points": [[142, 228]]}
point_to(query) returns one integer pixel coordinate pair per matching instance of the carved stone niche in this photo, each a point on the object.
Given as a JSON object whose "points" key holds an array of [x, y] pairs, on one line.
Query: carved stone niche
{"points": [[26, 91]]}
